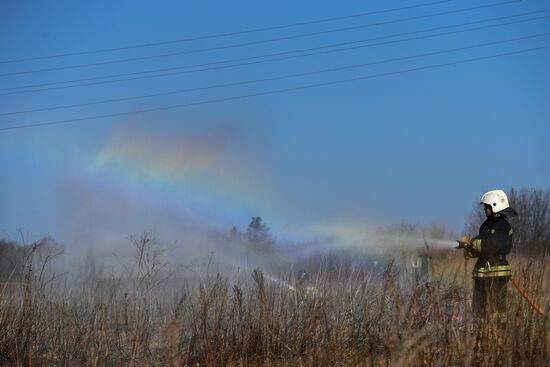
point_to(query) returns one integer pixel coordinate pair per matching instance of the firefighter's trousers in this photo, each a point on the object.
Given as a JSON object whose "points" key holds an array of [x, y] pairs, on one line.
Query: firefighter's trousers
{"points": [[490, 298]]}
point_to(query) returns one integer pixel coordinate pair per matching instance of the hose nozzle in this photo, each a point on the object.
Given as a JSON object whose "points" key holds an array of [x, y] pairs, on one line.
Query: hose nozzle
{"points": [[463, 242]]}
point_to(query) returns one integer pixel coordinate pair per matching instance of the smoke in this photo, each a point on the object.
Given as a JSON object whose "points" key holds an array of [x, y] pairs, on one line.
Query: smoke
{"points": [[186, 187], [183, 186]]}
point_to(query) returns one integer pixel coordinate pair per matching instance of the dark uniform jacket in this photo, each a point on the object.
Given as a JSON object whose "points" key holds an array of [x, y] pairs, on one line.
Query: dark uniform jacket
{"points": [[491, 246]]}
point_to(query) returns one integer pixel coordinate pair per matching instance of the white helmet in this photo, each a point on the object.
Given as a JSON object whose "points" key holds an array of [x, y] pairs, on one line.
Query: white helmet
{"points": [[497, 199]]}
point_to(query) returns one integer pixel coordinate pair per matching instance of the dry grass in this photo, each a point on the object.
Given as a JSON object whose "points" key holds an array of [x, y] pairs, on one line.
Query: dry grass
{"points": [[247, 319]]}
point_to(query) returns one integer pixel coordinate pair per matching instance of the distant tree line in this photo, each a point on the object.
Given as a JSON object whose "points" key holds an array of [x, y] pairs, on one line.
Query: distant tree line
{"points": [[12, 257], [15, 258], [531, 233]]}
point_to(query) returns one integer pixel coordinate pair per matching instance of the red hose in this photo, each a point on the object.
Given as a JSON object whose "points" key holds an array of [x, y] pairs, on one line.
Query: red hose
{"points": [[529, 300]]}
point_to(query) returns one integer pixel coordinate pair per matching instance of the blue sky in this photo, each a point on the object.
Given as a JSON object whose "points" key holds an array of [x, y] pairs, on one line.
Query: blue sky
{"points": [[417, 146]]}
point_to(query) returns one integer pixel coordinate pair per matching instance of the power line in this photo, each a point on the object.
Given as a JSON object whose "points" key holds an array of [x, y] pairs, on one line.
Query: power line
{"points": [[277, 91], [17, 90], [292, 51], [288, 76], [227, 34], [110, 62]]}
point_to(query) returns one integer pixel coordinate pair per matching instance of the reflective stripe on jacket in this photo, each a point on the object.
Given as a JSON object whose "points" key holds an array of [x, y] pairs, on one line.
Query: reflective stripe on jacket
{"points": [[493, 271]]}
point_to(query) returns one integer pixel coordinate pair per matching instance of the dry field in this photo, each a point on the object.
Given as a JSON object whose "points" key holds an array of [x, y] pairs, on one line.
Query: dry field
{"points": [[337, 317]]}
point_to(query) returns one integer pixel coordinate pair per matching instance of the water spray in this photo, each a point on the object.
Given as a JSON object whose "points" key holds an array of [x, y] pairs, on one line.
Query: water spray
{"points": [[280, 282]]}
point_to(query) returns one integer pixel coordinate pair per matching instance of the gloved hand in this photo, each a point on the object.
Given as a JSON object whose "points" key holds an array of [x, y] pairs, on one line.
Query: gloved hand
{"points": [[468, 253], [464, 241]]}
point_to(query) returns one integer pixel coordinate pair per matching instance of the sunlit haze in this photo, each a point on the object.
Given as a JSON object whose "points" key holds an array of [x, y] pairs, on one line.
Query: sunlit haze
{"points": [[395, 144]]}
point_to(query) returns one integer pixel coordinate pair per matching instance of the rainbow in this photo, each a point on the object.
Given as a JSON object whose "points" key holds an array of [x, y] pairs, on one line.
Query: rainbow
{"points": [[203, 170]]}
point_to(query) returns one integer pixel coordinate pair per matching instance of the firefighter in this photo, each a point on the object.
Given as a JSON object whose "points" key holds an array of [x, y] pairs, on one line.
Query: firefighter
{"points": [[492, 271]]}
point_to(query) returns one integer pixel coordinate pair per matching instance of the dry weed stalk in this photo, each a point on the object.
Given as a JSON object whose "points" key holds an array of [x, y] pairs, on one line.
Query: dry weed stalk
{"points": [[346, 319]]}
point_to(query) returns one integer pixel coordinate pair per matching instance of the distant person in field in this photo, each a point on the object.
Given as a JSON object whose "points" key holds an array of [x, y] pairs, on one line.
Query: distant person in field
{"points": [[491, 271]]}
